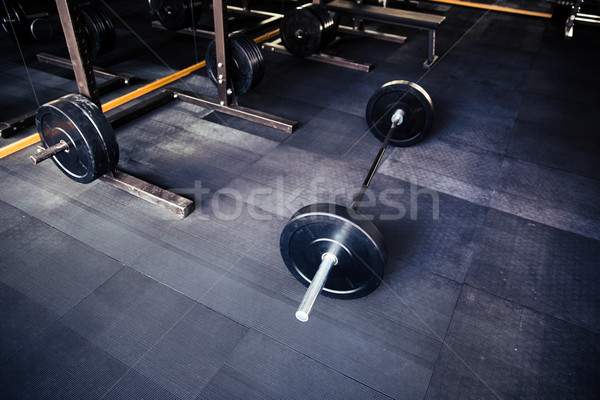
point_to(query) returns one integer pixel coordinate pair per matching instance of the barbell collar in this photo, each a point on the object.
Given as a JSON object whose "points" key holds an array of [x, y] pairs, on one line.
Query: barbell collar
{"points": [[328, 260], [44, 154]]}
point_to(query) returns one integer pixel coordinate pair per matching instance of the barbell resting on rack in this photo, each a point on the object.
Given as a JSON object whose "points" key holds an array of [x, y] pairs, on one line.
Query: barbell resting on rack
{"points": [[333, 249], [307, 29], [247, 66], [176, 14], [78, 137], [24, 21]]}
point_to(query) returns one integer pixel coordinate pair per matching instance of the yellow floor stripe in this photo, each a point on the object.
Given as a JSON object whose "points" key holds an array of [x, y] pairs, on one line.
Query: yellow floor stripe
{"points": [[33, 139], [494, 8]]}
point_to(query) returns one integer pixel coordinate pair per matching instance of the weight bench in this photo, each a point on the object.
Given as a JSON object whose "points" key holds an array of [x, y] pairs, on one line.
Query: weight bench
{"points": [[411, 19]]}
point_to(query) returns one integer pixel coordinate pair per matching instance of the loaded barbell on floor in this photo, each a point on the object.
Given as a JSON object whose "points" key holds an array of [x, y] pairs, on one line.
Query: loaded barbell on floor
{"points": [[333, 249], [307, 29]]}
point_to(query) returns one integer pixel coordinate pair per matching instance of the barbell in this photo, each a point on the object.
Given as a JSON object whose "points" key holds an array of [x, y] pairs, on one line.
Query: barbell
{"points": [[331, 248], [78, 137]]}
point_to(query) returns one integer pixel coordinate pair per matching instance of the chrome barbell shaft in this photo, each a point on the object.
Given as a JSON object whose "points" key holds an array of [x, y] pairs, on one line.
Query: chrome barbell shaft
{"points": [[397, 119], [328, 260]]}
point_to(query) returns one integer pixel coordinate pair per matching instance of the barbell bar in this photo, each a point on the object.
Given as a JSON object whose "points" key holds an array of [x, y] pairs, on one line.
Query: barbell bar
{"points": [[334, 250]]}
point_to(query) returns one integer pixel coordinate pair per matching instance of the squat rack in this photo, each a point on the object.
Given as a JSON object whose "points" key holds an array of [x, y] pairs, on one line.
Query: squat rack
{"points": [[226, 102]]}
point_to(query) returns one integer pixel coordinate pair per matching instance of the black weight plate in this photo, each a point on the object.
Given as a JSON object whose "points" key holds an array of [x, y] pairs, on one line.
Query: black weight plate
{"points": [[93, 149], [177, 14], [92, 31], [241, 65], [329, 27], [14, 24], [41, 29], [172, 14], [330, 228], [253, 52], [301, 31], [409, 97], [109, 37]]}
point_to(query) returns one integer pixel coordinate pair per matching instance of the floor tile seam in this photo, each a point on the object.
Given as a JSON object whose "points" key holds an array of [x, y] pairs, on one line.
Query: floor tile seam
{"points": [[580, 100], [302, 354], [100, 214], [493, 192], [195, 303], [134, 364], [447, 345], [82, 338], [362, 334], [479, 153], [509, 156], [545, 314], [55, 318]]}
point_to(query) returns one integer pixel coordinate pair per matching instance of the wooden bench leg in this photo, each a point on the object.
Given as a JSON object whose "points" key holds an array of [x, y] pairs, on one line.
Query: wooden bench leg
{"points": [[432, 57]]}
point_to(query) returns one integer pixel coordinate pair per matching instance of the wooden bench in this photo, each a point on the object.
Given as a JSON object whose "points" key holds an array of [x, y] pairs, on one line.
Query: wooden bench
{"points": [[422, 21]]}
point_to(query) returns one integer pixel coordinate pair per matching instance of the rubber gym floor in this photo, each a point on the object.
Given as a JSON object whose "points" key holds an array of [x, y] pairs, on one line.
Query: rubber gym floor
{"points": [[492, 225]]}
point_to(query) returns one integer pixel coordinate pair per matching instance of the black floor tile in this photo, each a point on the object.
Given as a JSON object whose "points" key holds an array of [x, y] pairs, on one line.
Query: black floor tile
{"points": [[22, 320], [545, 144], [543, 268], [328, 133], [229, 383], [467, 172], [127, 315], [260, 361], [186, 357], [423, 228], [9, 216], [499, 349], [50, 267], [549, 196], [59, 364], [136, 386]]}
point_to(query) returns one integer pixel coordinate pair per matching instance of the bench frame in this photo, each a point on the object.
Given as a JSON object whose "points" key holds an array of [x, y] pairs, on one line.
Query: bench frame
{"points": [[386, 18]]}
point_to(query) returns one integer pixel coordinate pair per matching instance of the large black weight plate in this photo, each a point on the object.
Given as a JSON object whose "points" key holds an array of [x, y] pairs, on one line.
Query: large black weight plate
{"points": [[245, 64], [93, 149], [409, 97], [99, 30], [177, 14], [328, 24], [358, 245], [301, 31]]}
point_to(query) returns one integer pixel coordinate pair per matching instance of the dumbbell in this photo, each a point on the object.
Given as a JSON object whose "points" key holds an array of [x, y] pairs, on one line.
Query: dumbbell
{"points": [[331, 248]]}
